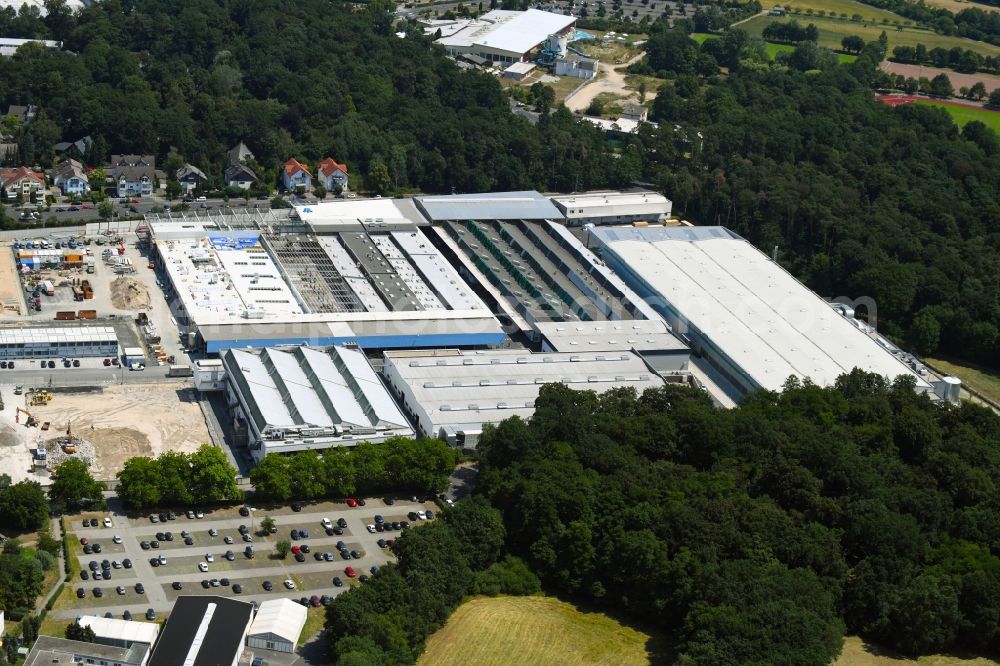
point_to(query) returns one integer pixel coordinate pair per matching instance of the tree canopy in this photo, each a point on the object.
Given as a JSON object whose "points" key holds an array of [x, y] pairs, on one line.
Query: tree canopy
{"points": [[176, 479]]}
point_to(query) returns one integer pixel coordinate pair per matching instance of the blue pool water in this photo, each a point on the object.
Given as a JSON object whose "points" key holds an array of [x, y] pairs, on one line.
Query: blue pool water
{"points": [[580, 34]]}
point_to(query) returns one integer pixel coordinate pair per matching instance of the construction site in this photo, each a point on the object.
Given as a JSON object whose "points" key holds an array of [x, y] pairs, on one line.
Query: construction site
{"points": [[104, 426]]}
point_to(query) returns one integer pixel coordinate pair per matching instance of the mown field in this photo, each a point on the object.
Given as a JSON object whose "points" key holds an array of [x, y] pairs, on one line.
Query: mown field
{"points": [[772, 49], [541, 631], [983, 381], [858, 653], [832, 31], [962, 115], [838, 7]]}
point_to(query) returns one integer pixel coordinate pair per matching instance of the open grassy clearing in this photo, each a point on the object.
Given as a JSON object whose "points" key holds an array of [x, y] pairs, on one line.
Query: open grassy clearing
{"points": [[540, 631], [612, 53], [563, 86], [633, 81], [831, 31], [983, 381], [858, 653], [958, 5], [315, 617], [836, 7]]}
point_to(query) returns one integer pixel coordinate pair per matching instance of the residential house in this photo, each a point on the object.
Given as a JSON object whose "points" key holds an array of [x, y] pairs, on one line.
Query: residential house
{"points": [[24, 114], [191, 178], [240, 153], [636, 113], [332, 174], [76, 148], [296, 176], [134, 175], [69, 176], [21, 182], [240, 175]]}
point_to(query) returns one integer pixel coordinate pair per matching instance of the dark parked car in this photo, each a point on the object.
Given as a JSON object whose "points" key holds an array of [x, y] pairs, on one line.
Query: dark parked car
{"points": [[169, 536], [379, 518], [305, 548], [299, 557], [296, 507], [127, 615], [93, 565], [342, 522], [355, 554], [345, 555], [244, 511], [224, 582], [84, 575], [295, 535], [268, 586], [337, 582], [188, 541], [248, 552], [304, 533], [412, 515], [363, 578], [237, 588], [430, 515], [230, 555], [139, 589], [381, 543], [80, 593], [314, 601], [361, 501], [177, 585], [154, 544], [127, 563], [389, 501], [374, 569], [88, 549], [150, 614], [318, 556], [205, 584], [98, 592], [145, 545]]}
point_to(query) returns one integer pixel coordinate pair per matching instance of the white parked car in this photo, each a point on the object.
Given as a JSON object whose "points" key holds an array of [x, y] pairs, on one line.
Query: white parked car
{"points": [[116, 538], [107, 522], [289, 584], [371, 528], [209, 557], [422, 515], [326, 523], [199, 514], [202, 567]]}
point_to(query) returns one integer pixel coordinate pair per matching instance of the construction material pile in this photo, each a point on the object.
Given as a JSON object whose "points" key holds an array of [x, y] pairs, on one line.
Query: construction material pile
{"points": [[129, 294]]}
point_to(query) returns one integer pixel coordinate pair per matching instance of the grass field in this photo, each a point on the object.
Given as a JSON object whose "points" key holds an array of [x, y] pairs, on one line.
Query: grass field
{"points": [[987, 383], [540, 631], [772, 49], [838, 7], [958, 5], [858, 653], [831, 31]]}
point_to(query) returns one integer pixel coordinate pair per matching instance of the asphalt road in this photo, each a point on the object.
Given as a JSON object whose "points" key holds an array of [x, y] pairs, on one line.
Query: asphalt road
{"points": [[312, 577]]}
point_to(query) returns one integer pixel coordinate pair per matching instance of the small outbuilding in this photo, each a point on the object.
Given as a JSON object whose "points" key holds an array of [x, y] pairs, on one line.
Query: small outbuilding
{"points": [[277, 625], [518, 70]]}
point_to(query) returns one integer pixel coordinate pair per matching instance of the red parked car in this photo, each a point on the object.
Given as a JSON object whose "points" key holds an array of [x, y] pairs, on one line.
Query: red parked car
{"points": [[351, 502], [296, 548], [350, 572]]}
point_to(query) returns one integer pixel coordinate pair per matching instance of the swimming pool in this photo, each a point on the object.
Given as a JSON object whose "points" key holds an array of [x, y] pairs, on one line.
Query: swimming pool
{"points": [[580, 34]]}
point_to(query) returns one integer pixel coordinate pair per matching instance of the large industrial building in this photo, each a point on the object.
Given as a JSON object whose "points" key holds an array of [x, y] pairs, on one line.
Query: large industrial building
{"points": [[204, 631], [332, 274], [451, 394], [613, 207], [55, 651], [755, 323], [299, 398], [58, 342], [502, 36]]}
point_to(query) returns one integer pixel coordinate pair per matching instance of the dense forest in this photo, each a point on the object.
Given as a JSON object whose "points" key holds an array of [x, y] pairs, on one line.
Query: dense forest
{"points": [[898, 205], [758, 535]]}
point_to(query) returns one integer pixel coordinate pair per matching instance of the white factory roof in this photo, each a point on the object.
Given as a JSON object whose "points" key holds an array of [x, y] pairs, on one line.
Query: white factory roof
{"points": [[619, 335], [437, 271], [56, 335], [300, 386], [218, 284], [512, 31], [489, 386], [114, 629], [350, 213], [591, 204], [283, 618], [625, 125], [753, 311], [526, 205]]}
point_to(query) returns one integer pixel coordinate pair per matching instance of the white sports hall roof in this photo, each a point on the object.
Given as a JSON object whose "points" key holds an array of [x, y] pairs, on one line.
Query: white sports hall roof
{"points": [[282, 617], [751, 309], [512, 31]]}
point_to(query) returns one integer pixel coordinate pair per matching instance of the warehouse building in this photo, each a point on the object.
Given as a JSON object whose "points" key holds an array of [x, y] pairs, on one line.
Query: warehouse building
{"points": [[277, 625], [203, 631], [58, 342], [451, 394], [50, 650], [502, 36], [613, 207], [300, 398], [754, 323]]}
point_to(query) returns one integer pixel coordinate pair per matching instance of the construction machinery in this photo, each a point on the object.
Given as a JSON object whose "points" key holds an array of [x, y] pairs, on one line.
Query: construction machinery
{"points": [[68, 445], [41, 397], [32, 421]]}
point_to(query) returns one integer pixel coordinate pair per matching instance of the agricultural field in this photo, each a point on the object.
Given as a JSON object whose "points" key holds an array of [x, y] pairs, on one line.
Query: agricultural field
{"points": [[956, 6], [856, 652], [542, 631], [832, 31], [773, 49]]}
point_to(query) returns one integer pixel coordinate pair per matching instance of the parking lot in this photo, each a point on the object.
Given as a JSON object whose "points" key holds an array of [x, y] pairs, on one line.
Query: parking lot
{"points": [[311, 576]]}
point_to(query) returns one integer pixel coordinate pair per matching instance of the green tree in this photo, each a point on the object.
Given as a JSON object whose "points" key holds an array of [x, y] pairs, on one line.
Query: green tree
{"points": [[272, 478], [977, 91], [941, 86], [75, 632], [139, 483], [106, 209], [378, 179], [267, 524], [212, 477], [994, 99], [852, 44], [282, 548], [24, 506], [479, 528], [73, 488]]}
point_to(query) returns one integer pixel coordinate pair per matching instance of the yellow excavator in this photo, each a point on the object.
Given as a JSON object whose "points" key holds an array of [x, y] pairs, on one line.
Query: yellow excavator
{"points": [[32, 421], [41, 397], [68, 445]]}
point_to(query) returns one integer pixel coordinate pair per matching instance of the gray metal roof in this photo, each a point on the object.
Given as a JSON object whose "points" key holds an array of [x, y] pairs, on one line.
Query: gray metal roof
{"points": [[526, 205]]}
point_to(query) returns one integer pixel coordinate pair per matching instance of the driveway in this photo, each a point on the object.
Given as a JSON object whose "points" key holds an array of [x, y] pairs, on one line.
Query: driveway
{"points": [[608, 80]]}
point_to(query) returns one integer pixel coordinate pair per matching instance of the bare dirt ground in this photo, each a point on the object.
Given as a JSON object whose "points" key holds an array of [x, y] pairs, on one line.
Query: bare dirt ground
{"points": [[957, 80], [11, 294], [109, 426], [608, 80], [129, 294]]}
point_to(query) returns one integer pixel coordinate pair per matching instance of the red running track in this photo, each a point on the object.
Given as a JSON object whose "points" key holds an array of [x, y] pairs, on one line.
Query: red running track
{"points": [[899, 100]]}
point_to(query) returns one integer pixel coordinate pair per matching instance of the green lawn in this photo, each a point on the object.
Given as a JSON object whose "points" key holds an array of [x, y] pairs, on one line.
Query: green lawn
{"points": [[983, 381], [700, 37], [772, 49], [831, 31], [961, 116], [541, 631], [836, 7]]}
